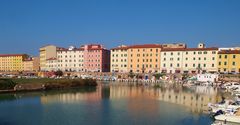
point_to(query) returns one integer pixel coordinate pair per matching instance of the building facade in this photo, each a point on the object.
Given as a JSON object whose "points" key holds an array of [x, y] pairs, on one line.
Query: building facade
{"points": [[96, 58], [144, 58], [119, 59], [12, 62], [70, 59], [47, 52], [229, 61], [31, 64], [189, 60]]}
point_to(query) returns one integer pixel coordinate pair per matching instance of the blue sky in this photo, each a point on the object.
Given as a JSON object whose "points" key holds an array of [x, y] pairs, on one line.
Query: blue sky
{"points": [[26, 25]]}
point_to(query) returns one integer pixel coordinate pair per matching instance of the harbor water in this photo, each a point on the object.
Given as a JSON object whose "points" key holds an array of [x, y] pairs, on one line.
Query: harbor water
{"points": [[110, 104]]}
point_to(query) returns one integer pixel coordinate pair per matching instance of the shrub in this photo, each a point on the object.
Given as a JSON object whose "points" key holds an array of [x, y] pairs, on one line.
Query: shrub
{"points": [[6, 84]]}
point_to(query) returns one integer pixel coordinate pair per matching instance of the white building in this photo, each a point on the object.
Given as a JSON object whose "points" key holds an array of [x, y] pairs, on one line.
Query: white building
{"points": [[189, 60], [51, 64], [70, 59]]}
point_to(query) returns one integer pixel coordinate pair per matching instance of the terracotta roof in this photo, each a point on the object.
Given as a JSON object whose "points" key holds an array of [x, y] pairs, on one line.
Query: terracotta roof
{"points": [[229, 52], [146, 46], [6, 55], [120, 48], [52, 58], [189, 49]]}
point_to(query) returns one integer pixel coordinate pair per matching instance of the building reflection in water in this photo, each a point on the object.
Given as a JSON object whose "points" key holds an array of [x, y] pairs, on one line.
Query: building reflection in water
{"points": [[196, 99]]}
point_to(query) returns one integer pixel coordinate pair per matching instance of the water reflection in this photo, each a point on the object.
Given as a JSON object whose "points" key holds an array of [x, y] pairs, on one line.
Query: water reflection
{"points": [[109, 104], [196, 99]]}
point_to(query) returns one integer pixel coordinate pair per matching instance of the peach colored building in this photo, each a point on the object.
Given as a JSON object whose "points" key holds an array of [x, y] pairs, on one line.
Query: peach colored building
{"points": [[144, 58], [96, 58]]}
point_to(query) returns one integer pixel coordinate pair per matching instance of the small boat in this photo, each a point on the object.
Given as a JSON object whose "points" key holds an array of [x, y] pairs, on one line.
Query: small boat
{"points": [[225, 106], [229, 117]]}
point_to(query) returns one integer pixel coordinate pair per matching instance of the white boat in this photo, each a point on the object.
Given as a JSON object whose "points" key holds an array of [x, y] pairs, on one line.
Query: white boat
{"points": [[225, 106], [229, 117]]}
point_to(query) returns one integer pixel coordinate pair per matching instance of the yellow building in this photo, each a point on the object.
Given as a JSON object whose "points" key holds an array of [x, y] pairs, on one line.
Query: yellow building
{"points": [[229, 61], [119, 59], [144, 58], [12, 62], [46, 52]]}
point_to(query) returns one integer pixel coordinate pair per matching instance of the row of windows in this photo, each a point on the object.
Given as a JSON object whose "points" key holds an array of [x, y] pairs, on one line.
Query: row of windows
{"points": [[225, 63], [144, 50], [198, 52], [226, 56], [145, 66], [125, 55], [138, 55], [117, 65], [68, 61], [70, 56], [145, 60], [125, 60], [186, 65], [178, 59]]}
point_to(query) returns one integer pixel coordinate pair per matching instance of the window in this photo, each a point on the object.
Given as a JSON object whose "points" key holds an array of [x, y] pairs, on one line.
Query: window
{"points": [[185, 65], [213, 58], [164, 54], [186, 58], [212, 65], [219, 63], [178, 65], [193, 65], [225, 56], [199, 58], [186, 53], [170, 64], [164, 65], [233, 63], [205, 52], [205, 58], [220, 56], [225, 63], [234, 56], [194, 53], [171, 53], [178, 59], [193, 58], [204, 65]]}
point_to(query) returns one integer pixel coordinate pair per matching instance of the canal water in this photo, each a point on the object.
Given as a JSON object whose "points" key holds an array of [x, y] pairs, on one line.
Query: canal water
{"points": [[110, 104]]}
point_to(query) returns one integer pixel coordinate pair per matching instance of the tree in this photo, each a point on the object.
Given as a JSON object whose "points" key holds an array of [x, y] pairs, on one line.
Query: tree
{"points": [[58, 73]]}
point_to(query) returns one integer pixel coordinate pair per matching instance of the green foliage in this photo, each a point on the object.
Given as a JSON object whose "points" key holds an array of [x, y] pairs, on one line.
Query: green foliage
{"points": [[58, 73], [131, 75], [6, 84], [158, 75], [69, 83]]}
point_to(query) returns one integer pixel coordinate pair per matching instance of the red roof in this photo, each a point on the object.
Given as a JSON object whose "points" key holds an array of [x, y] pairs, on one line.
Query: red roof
{"points": [[120, 48], [189, 49], [146, 46], [229, 52], [52, 58], [6, 55]]}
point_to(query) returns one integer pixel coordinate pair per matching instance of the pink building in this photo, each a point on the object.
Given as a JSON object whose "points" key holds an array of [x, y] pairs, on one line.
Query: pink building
{"points": [[96, 58]]}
